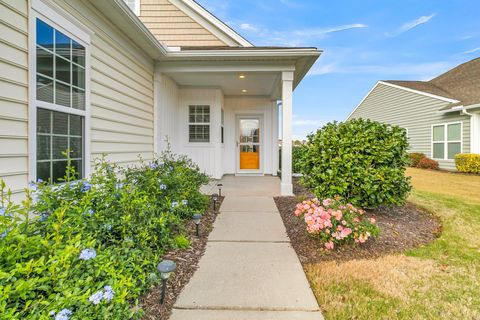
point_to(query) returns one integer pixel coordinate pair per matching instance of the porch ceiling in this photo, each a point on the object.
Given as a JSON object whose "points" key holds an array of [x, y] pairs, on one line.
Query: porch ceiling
{"points": [[231, 83]]}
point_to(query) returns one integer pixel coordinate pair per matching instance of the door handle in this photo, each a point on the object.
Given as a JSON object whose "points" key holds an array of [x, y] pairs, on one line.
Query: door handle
{"points": [[238, 143]]}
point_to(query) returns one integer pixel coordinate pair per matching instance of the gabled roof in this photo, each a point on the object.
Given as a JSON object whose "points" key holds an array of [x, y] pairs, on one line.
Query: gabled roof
{"points": [[215, 22], [131, 26], [461, 83]]}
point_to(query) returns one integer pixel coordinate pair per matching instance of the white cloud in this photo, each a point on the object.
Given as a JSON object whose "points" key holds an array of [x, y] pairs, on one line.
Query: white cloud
{"points": [[321, 33], [292, 4], [419, 71], [307, 122], [322, 69], [411, 25], [298, 37], [248, 27], [303, 127], [472, 51]]}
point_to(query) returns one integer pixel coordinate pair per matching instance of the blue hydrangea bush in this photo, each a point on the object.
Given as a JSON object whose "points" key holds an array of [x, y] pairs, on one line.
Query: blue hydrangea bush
{"points": [[89, 249]]}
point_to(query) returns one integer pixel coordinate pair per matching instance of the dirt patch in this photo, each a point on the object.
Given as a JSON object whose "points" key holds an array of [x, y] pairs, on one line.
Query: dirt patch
{"points": [[401, 229], [187, 263]]}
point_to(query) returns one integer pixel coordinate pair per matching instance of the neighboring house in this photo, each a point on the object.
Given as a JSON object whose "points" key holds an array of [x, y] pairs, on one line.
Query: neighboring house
{"points": [[441, 116], [98, 78]]}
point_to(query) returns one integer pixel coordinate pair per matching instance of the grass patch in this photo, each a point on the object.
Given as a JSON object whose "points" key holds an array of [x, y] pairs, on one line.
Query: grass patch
{"points": [[438, 280], [461, 186]]}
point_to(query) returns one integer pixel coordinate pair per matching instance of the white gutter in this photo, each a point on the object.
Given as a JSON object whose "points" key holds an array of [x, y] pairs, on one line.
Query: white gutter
{"points": [[258, 53]]}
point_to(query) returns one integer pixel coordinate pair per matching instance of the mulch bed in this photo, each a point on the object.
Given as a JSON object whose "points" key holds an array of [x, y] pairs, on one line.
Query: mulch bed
{"points": [[402, 228], [187, 263]]}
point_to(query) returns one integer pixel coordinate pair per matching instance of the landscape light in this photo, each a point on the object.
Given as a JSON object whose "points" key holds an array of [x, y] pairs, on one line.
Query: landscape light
{"points": [[215, 199], [196, 218], [165, 267]]}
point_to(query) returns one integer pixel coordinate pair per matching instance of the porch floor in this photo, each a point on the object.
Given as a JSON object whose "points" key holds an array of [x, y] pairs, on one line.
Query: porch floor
{"points": [[249, 270]]}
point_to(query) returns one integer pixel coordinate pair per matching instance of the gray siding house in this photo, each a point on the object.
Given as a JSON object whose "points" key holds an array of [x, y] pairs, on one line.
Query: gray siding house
{"points": [[441, 116]]}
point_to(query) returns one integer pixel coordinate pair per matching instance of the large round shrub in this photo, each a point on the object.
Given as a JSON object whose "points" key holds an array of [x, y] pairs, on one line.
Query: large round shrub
{"points": [[359, 160]]}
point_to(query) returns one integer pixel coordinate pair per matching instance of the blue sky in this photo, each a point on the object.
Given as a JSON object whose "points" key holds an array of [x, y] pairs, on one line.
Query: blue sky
{"points": [[363, 41]]}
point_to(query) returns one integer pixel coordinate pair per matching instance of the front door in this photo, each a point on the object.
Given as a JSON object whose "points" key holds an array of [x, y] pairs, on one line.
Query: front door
{"points": [[249, 144]]}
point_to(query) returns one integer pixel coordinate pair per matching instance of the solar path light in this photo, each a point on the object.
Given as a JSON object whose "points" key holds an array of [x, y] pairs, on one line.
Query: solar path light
{"points": [[165, 267], [215, 199], [197, 218]]}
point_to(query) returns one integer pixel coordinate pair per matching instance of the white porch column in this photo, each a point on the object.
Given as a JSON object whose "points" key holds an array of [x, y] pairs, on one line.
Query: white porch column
{"points": [[475, 133], [287, 115]]}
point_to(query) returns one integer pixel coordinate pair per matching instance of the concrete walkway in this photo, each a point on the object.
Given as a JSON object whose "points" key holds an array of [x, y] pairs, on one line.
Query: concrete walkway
{"points": [[249, 270]]}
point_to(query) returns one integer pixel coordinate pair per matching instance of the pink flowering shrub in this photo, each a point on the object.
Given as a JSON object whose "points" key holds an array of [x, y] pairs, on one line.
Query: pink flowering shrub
{"points": [[335, 223]]}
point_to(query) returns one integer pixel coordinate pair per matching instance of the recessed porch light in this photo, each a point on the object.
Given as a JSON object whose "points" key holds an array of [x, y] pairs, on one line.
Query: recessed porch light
{"points": [[244, 90], [242, 76]]}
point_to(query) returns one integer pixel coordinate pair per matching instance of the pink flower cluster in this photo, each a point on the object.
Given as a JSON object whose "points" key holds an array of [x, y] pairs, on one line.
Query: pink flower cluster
{"points": [[335, 223]]}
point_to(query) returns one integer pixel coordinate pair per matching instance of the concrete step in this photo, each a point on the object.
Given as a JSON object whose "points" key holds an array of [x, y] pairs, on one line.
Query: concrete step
{"points": [[249, 226], [248, 204], [179, 314], [252, 276]]}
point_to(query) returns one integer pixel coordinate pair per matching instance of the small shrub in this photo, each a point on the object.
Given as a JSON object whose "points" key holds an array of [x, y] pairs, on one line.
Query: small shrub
{"points": [[182, 242], [359, 160], [468, 162], [427, 163], [335, 223], [415, 158]]}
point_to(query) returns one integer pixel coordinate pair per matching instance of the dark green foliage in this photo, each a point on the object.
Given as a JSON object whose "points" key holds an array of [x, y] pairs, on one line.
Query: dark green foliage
{"points": [[361, 161], [298, 152], [129, 216]]}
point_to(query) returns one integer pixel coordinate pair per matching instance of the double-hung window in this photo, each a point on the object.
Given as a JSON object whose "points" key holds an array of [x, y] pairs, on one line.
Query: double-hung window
{"points": [[60, 102], [199, 123], [446, 141]]}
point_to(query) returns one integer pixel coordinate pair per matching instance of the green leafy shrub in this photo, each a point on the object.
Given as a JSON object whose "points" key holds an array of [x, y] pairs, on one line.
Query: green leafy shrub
{"points": [[415, 158], [361, 161], [468, 162], [89, 249], [298, 152], [427, 163]]}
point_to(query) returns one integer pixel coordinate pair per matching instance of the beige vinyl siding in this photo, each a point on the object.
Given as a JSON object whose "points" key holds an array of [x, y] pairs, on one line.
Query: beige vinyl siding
{"points": [[174, 27], [121, 90], [412, 111], [14, 94]]}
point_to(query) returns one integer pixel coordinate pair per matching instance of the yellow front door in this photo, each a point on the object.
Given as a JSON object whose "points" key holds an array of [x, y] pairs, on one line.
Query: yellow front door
{"points": [[249, 144]]}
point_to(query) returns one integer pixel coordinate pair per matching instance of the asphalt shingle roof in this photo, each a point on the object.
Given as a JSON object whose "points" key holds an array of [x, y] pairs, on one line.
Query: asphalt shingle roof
{"points": [[461, 83]]}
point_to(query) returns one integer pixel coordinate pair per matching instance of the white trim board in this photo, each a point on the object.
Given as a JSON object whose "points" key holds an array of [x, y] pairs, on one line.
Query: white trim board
{"points": [[402, 88], [64, 22], [211, 23], [445, 141]]}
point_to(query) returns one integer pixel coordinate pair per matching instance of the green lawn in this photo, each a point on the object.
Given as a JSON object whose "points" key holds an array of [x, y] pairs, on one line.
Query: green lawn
{"points": [[437, 281]]}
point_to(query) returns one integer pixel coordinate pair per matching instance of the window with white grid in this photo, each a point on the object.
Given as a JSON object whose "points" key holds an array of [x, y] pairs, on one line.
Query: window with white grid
{"points": [[199, 123], [60, 103]]}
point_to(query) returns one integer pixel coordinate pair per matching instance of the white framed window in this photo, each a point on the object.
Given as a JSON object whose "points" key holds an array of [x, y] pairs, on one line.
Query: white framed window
{"points": [[199, 123], [59, 95], [134, 5], [447, 140]]}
